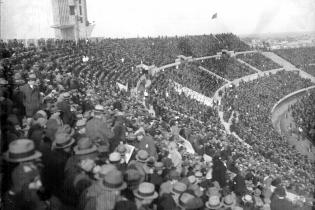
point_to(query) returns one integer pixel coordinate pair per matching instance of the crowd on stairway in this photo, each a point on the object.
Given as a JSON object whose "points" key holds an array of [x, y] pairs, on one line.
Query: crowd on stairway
{"points": [[72, 139], [302, 58], [259, 61]]}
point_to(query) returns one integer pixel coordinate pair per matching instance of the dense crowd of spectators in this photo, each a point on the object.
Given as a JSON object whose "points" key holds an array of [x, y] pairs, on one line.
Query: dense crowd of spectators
{"points": [[227, 67], [191, 76], [303, 113], [71, 139], [300, 57], [253, 102], [259, 61]]}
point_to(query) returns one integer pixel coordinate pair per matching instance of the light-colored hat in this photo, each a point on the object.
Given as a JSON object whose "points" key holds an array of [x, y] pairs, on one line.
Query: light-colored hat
{"points": [[192, 179], [229, 201], [179, 187], [21, 150], [84, 146], [214, 202], [115, 158], [81, 123], [142, 156], [43, 113], [213, 191], [146, 191], [63, 140], [198, 174], [32, 76], [103, 170], [66, 95], [247, 199], [99, 108], [3, 81]]}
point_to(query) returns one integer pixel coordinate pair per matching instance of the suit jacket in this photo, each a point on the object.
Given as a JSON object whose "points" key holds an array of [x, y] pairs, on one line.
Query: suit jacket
{"points": [[280, 204], [148, 144], [31, 99]]}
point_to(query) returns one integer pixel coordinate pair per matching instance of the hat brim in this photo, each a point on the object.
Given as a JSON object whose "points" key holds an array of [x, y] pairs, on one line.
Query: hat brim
{"points": [[152, 197], [141, 160], [122, 160], [65, 146], [229, 205], [213, 207], [35, 156], [122, 187], [77, 151]]}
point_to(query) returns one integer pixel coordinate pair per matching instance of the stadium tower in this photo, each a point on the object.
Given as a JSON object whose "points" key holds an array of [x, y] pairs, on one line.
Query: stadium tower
{"points": [[70, 19]]}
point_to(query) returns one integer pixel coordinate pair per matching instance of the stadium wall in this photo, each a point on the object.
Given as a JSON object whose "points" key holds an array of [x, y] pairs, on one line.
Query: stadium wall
{"points": [[278, 109]]}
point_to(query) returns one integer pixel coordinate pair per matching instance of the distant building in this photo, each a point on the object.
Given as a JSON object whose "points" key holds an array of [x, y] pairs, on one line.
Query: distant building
{"points": [[70, 19]]}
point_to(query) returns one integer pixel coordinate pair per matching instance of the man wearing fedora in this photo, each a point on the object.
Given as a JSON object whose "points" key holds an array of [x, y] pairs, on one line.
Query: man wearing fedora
{"points": [[146, 142], [32, 97], [279, 200], [53, 171], [25, 178], [170, 200], [119, 130], [84, 151], [97, 128], [64, 106], [118, 161], [145, 195], [103, 194]]}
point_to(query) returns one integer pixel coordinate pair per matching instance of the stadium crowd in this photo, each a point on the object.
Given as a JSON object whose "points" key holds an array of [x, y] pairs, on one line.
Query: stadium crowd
{"points": [[303, 114], [253, 101], [300, 57], [71, 139], [189, 75], [259, 61], [227, 67]]}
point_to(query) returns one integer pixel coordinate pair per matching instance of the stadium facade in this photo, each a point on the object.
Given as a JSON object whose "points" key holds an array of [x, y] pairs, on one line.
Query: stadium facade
{"points": [[70, 19]]}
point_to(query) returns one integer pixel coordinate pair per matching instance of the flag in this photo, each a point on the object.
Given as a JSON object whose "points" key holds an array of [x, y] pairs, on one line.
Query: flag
{"points": [[215, 15]]}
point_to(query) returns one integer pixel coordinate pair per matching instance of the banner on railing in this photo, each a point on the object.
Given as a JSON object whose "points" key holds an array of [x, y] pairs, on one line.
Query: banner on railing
{"points": [[122, 87]]}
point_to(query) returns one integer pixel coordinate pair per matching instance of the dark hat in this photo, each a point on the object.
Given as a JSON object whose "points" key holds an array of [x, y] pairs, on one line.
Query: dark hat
{"points": [[21, 150], [113, 180], [276, 182], [280, 191], [133, 176], [188, 201]]}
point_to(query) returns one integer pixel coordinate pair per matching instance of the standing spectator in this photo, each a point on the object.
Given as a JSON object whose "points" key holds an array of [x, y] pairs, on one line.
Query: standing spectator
{"points": [[32, 98], [145, 194], [278, 200], [104, 195], [22, 193]]}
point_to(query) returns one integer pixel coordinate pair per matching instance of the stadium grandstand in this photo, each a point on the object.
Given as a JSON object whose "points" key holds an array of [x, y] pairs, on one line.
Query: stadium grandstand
{"points": [[167, 123]]}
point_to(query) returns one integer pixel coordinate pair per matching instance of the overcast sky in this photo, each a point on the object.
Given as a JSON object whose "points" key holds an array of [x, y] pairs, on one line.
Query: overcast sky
{"points": [[132, 18]]}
